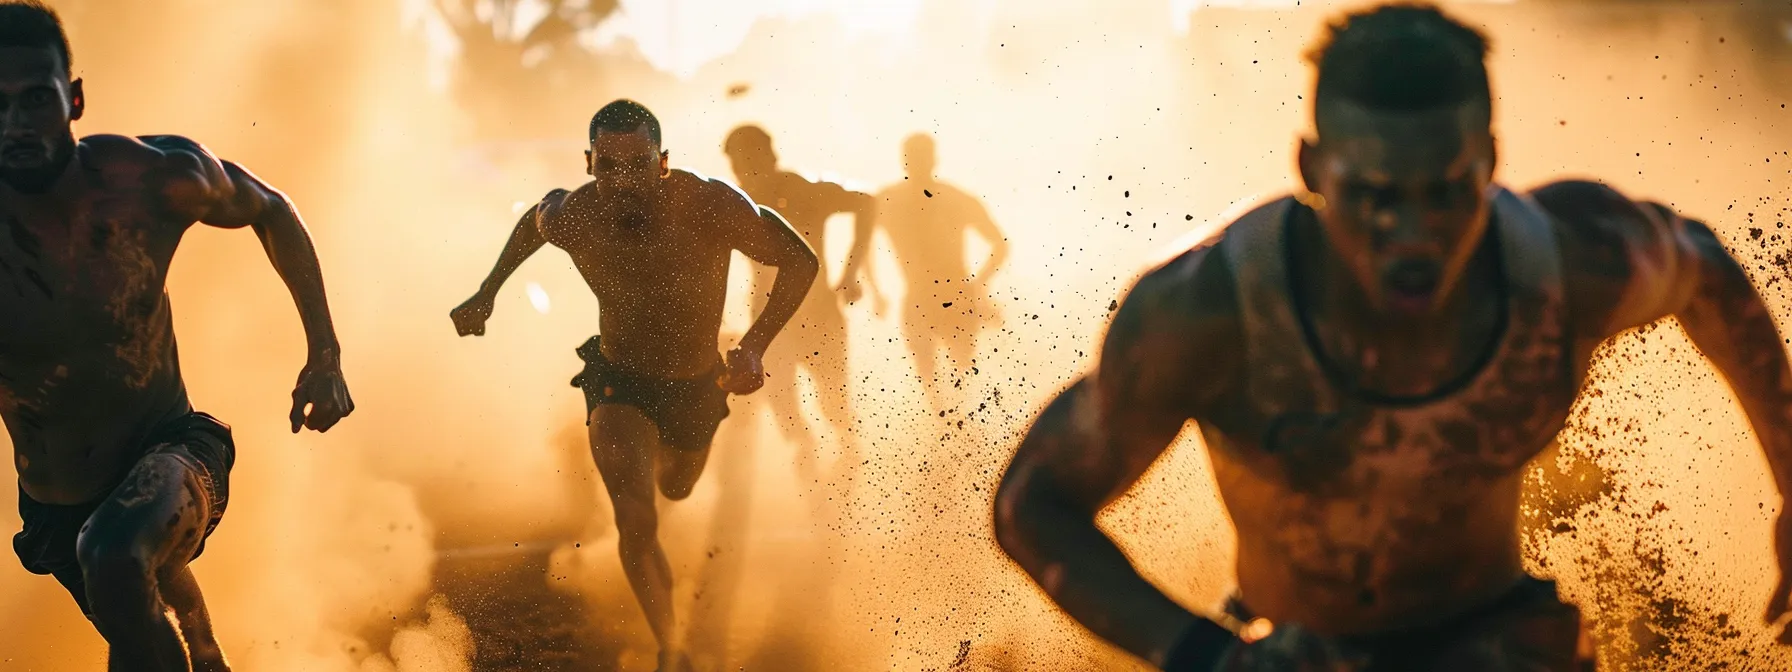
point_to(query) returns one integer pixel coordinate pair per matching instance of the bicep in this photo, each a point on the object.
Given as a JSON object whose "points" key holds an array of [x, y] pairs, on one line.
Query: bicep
{"points": [[839, 199], [1629, 263], [760, 233], [1100, 436]]}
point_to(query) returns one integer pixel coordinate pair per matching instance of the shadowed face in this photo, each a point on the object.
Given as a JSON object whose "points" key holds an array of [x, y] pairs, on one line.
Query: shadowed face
{"points": [[627, 168], [752, 159], [917, 158], [37, 105], [1406, 198]]}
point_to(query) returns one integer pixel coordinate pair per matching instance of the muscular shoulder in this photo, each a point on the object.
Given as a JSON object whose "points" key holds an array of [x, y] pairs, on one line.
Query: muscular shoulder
{"points": [[143, 155], [1176, 329], [707, 194], [557, 201], [1625, 261], [183, 172]]}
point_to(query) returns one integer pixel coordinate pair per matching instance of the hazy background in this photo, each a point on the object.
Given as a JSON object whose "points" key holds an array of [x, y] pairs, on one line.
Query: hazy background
{"points": [[1096, 132]]}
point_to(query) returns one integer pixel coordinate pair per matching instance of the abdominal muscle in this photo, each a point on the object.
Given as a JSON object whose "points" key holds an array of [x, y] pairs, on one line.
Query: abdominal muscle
{"points": [[72, 448], [1388, 557]]}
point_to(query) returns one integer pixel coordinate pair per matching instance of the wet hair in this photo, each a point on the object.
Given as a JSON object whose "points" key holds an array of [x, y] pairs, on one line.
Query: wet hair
{"points": [[1401, 57], [30, 23], [625, 116], [747, 138]]}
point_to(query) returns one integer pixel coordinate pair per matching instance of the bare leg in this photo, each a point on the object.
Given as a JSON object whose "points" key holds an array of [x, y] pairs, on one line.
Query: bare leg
{"points": [[181, 591], [624, 443], [150, 525], [923, 345], [781, 396], [679, 469], [832, 381]]}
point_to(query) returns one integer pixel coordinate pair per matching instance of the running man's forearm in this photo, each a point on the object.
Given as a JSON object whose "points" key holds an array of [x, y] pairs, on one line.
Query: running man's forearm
{"points": [[1049, 529], [1088, 576], [289, 248], [998, 249], [524, 241], [864, 222], [796, 273]]}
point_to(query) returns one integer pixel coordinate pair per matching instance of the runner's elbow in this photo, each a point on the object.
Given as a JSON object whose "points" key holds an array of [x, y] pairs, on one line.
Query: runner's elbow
{"points": [[1022, 500]]}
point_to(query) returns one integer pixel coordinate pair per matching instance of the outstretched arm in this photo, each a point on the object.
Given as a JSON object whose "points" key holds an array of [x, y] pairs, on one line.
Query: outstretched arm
{"points": [[1639, 262], [763, 236], [1090, 446], [223, 194], [864, 222], [1732, 326], [525, 239]]}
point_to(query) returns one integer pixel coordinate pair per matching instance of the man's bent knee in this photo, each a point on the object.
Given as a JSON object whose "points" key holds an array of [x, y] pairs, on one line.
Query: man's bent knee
{"points": [[675, 487], [636, 519], [679, 471], [120, 579]]}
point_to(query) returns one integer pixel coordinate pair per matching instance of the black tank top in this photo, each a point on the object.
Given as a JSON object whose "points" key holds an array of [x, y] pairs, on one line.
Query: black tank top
{"points": [[1294, 420]]}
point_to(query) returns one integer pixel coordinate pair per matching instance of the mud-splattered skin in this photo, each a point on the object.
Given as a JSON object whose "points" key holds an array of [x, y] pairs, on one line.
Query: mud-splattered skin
{"points": [[654, 245], [88, 362], [87, 353], [660, 276], [87, 231], [88, 365], [1370, 461]]}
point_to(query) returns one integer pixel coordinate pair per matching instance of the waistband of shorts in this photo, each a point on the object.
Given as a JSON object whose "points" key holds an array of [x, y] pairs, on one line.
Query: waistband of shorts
{"points": [[163, 432], [1522, 592], [599, 365]]}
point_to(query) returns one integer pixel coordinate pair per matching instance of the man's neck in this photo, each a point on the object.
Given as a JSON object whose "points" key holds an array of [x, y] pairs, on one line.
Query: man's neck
{"points": [[1400, 355]]}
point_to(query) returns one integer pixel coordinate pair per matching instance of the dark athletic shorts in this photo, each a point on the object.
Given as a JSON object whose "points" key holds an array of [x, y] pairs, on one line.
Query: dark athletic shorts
{"points": [[47, 544], [1527, 628], [687, 412]]}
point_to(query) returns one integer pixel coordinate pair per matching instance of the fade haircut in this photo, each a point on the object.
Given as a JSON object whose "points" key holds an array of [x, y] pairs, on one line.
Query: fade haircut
{"points": [[30, 23], [625, 116], [1401, 57]]}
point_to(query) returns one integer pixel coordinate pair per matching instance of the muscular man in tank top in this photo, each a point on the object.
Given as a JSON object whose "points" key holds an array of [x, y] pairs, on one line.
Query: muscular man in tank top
{"points": [[1371, 365]]}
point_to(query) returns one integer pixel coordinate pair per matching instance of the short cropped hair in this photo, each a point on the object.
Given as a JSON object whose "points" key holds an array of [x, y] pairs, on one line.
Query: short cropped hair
{"points": [[30, 23], [1401, 57], [625, 116]]}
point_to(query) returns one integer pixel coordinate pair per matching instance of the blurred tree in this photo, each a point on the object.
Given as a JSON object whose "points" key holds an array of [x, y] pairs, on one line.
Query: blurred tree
{"points": [[508, 64]]}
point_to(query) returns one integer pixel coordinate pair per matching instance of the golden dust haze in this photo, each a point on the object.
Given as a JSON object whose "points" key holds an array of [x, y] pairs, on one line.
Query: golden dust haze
{"points": [[1096, 133]]}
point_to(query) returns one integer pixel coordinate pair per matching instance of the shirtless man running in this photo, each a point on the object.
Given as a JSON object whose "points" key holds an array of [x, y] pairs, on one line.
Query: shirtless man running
{"points": [[816, 339], [946, 306], [1372, 365], [120, 480], [654, 245]]}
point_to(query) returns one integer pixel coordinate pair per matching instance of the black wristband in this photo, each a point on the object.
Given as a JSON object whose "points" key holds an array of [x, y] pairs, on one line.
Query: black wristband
{"points": [[1200, 648]]}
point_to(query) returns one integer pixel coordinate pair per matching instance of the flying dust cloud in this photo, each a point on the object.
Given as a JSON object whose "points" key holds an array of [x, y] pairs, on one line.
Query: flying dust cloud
{"points": [[454, 522]]}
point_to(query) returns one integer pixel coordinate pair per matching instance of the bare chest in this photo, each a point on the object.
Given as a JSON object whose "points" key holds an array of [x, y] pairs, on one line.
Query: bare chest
{"points": [[78, 272], [657, 258], [1323, 443]]}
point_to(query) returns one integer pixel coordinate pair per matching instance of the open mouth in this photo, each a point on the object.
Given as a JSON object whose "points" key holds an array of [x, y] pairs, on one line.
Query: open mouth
{"points": [[1411, 286]]}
